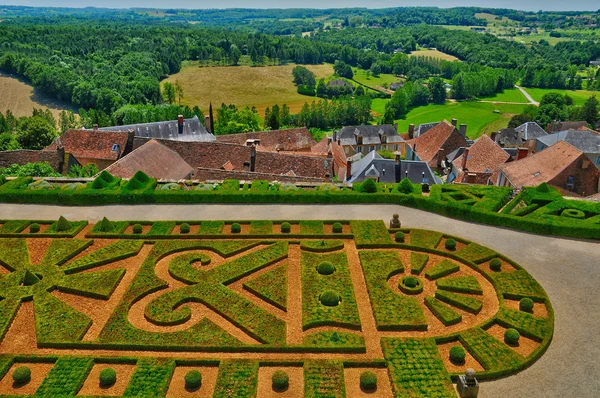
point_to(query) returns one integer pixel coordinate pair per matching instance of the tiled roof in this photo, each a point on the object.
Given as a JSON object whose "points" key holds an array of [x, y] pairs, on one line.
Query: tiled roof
{"points": [[542, 166], [585, 140], [473, 178], [322, 148], [154, 159], [272, 141], [428, 145], [484, 156], [92, 144], [193, 130], [562, 126]]}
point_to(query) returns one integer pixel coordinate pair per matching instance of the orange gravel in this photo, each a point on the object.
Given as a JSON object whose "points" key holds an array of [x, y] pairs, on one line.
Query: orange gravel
{"points": [[539, 309], [92, 387], [209, 380], [39, 371], [525, 345]]}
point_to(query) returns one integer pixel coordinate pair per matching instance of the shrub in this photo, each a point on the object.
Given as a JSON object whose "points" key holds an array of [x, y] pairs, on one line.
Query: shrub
{"points": [[184, 228], [511, 336], [137, 229], [63, 225], [410, 285], [526, 305], [543, 187], [193, 379], [22, 375], [330, 298], [496, 265], [337, 228], [369, 186], [286, 228], [236, 228], [450, 244], [325, 268], [108, 377], [399, 237], [405, 186], [105, 226], [368, 381], [34, 228], [411, 281], [457, 354], [280, 380]]}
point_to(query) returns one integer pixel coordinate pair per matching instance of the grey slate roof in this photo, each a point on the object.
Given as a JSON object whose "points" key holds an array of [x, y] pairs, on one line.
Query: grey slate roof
{"points": [[371, 134], [423, 128], [193, 130], [530, 131], [455, 154], [375, 166], [584, 140]]}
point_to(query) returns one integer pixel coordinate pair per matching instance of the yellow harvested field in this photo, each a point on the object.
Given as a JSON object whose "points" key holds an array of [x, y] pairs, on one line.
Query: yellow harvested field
{"points": [[20, 98], [260, 87], [434, 54]]}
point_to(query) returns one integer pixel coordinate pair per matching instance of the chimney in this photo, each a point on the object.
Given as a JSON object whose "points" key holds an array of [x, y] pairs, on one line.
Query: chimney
{"points": [[398, 168], [335, 135], [252, 157], [414, 152], [464, 159], [348, 169], [180, 124], [493, 136], [396, 127], [522, 153], [454, 122], [411, 131], [96, 127], [440, 157], [207, 123], [463, 130]]}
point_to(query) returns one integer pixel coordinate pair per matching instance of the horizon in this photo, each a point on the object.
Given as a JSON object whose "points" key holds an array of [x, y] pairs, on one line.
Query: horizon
{"points": [[551, 5]]}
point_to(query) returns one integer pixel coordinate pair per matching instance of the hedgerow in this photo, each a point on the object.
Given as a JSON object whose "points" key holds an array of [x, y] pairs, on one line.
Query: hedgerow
{"points": [[325, 245], [61, 250], [418, 261], [422, 238], [56, 321], [467, 303], [445, 314], [324, 378], [314, 284], [416, 368], [392, 311], [460, 284], [528, 325], [328, 339], [370, 233], [271, 286], [518, 284], [100, 284], [262, 227], [490, 352], [66, 377], [115, 251], [444, 268], [151, 378], [237, 378], [312, 228], [211, 227]]}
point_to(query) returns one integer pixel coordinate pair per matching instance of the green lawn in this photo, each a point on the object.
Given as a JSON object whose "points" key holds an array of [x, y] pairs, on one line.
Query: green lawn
{"points": [[579, 96], [360, 76], [511, 95], [478, 116]]}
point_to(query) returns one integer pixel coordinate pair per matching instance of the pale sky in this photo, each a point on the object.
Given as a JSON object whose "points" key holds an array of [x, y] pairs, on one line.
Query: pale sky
{"points": [[528, 5]]}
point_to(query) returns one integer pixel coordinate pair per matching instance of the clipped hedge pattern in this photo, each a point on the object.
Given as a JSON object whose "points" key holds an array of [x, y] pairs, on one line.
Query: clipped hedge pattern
{"points": [[444, 268], [237, 378], [151, 378], [445, 314], [460, 284], [467, 303], [324, 379], [66, 377], [271, 287]]}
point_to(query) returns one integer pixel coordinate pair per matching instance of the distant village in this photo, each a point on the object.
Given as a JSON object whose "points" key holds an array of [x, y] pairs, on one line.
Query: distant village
{"points": [[565, 155]]}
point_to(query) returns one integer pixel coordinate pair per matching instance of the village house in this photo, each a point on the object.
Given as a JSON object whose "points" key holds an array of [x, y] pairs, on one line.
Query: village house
{"points": [[479, 163], [328, 148], [396, 86], [524, 136], [558, 126], [101, 148], [437, 143], [561, 165], [187, 130], [290, 140], [364, 139], [586, 141]]}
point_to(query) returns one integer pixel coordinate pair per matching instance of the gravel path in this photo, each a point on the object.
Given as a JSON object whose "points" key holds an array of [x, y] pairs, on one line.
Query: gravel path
{"points": [[528, 96], [567, 269]]}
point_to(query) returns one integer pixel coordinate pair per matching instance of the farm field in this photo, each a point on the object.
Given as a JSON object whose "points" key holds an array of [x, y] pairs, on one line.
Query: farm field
{"points": [[579, 96], [360, 75], [242, 86], [267, 308], [21, 98], [478, 116], [433, 54], [510, 95]]}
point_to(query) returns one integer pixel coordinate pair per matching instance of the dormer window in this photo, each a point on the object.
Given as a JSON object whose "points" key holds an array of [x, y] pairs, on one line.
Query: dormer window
{"points": [[115, 147]]}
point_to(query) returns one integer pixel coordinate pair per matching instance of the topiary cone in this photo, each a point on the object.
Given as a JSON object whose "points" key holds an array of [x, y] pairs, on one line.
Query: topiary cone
{"points": [[63, 225]]}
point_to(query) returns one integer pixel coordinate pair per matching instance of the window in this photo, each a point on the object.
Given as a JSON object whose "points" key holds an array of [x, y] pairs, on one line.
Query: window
{"points": [[598, 160], [115, 147]]}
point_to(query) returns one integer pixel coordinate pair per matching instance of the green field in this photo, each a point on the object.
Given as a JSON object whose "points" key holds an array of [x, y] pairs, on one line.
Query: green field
{"points": [[361, 76], [579, 96], [478, 116], [511, 95], [433, 54]]}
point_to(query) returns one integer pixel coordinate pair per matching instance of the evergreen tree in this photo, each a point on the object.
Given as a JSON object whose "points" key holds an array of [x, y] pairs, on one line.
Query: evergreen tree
{"points": [[438, 90], [590, 111]]}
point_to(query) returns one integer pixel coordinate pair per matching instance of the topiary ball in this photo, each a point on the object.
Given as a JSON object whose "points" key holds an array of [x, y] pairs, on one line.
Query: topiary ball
{"points": [[511, 336], [22, 375], [411, 281], [399, 237], [496, 265], [526, 305], [368, 381], [184, 228], [108, 377], [236, 228], [193, 379], [281, 380], [137, 229], [34, 228], [337, 228], [457, 354], [330, 298], [369, 186], [450, 244], [286, 228], [325, 268]]}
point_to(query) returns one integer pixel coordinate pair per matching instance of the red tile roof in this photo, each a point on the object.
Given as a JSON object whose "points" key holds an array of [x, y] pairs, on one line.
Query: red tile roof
{"points": [[154, 159], [443, 136], [299, 139], [542, 166], [92, 144], [322, 149], [485, 156]]}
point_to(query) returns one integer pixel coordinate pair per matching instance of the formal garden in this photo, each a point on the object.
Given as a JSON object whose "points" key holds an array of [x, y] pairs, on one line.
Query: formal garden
{"points": [[260, 308]]}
